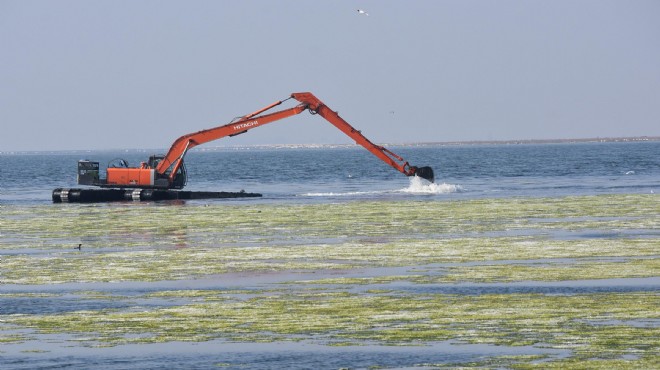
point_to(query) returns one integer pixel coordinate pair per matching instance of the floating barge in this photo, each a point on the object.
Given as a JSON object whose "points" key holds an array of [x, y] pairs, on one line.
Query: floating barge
{"points": [[64, 195]]}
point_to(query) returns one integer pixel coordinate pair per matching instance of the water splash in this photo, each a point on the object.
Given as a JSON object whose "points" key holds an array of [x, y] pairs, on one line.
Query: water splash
{"points": [[421, 186], [417, 186], [347, 194]]}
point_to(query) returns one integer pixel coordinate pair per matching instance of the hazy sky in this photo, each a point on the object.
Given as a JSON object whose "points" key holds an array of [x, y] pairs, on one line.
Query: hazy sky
{"points": [[139, 74]]}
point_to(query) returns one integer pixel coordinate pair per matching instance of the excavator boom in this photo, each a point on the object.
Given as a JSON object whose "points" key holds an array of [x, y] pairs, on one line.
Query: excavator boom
{"points": [[166, 172], [174, 157]]}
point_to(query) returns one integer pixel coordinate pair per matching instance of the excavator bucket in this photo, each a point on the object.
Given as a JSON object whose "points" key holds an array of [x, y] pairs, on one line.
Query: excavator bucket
{"points": [[425, 173]]}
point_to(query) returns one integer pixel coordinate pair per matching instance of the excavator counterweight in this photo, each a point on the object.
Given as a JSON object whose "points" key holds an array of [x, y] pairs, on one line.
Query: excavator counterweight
{"points": [[168, 171]]}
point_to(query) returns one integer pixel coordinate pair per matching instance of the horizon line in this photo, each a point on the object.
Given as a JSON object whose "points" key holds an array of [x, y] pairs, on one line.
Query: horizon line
{"points": [[392, 144]]}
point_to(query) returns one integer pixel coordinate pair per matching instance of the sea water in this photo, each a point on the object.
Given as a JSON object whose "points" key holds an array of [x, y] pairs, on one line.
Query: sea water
{"points": [[312, 174]]}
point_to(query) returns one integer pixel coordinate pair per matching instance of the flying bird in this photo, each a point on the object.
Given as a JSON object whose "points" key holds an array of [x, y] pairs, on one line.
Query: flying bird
{"points": [[362, 12]]}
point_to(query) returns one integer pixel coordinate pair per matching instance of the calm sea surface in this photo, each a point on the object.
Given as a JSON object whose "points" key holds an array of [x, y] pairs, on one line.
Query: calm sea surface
{"points": [[347, 174]]}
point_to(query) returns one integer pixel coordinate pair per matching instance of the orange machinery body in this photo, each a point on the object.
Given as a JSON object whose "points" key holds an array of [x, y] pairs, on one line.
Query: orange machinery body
{"points": [[131, 177]]}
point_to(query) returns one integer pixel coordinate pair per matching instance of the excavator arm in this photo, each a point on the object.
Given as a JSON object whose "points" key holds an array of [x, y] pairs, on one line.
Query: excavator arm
{"points": [[173, 160], [317, 107]]}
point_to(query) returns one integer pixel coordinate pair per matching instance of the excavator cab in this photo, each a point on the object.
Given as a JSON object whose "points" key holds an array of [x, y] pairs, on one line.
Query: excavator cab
{"points": [[180, 179]]}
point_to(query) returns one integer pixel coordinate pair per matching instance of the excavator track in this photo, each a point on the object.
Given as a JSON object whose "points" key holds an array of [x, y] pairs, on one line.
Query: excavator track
{"points": [[64, 195]]}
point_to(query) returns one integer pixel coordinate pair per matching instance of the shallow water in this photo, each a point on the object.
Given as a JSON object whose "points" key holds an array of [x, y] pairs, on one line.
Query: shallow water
{"points": [[527, 224], [214, 354], [627, 285]]}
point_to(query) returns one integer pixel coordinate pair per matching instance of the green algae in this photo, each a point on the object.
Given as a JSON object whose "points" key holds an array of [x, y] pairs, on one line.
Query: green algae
{"points": [[12, 338], [135, 225], [501, 319], [637, 268], [512, 272], [485, 240], [647, 362], [187, 263], [524, 362]]}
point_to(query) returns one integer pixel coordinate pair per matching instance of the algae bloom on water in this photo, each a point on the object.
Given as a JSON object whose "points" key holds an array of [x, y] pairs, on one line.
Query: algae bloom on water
{"points": [[574, 280]]}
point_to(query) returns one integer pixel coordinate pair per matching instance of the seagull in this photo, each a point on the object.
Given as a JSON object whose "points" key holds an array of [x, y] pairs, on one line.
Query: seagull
{"points": [[362, 12]]}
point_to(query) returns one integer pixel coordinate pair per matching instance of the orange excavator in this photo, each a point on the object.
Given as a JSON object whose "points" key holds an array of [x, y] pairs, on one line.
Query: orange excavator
{"points": [[168, 171]]}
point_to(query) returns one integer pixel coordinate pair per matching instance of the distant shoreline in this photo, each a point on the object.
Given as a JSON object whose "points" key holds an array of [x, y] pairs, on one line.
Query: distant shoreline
{"points": [[549, 141], [326, 146]]}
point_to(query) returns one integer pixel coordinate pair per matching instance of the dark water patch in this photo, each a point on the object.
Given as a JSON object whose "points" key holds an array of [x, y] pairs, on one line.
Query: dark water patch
{"points": [[567, 287], [214, 354], [228, 281], [641, 323], [53, 305], [604, 234], [555, 233]]}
